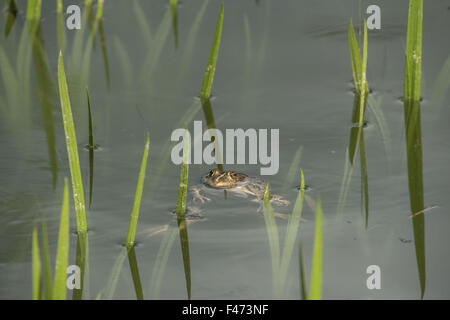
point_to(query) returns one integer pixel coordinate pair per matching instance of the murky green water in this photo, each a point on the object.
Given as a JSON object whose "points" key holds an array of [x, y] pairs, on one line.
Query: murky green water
{"points": [[282, 65]]}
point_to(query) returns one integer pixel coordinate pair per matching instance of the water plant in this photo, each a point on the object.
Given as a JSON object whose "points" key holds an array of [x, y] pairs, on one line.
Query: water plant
{"points": [[43, 80], [36, 266], [413, 134], [174, 9], [57, 290], [72, 148], [91, 147], [359, 67], [208, 78], [180, 211], [315, 290], [62, 254], [12, 14], [281, 257], [138, 197]]}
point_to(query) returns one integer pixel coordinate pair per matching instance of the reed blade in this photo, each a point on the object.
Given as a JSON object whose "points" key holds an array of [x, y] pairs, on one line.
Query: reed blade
{"points": [[135, 273], [208, 78], [302, 277], [91, 149], [274, 242], [291, 233], [36, 266], [72, 148], [90, 19], [62, 254], [60, 23], [12, 14], [99, 21], [174, 9], [413, 74], [47, 263], [415, 183], [138, 197], [315, 290], [43, 80], [161, 261], [81, 260], [413, 68], [181, 214]]}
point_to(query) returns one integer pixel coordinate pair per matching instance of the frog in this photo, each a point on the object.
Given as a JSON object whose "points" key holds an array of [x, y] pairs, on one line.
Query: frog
{"points": [[235, 183]]}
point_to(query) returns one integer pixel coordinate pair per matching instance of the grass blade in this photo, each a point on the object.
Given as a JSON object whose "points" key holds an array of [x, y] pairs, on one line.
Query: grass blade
{"points": [[135, 273], [364, 177], [138, 197], [12, 14], [91, 149], [413, 131], [315, 290], [291, 233], [293, 168], [115, 273], [72, 148], [43, 80], [90, 19], [274, 242], [60, 23], [208, 78], [161, 261], [303, 286], [47, 263], [355, 56], [413, 68], [103, 41], [34, 10], [82, 254], [36, 265], [62, 255], [173, 8], [181, 212]]}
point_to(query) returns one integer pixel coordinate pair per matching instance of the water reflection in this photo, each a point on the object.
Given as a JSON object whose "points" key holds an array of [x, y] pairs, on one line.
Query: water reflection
{"points": [[81, 261], [45, 90], [135, 273]]}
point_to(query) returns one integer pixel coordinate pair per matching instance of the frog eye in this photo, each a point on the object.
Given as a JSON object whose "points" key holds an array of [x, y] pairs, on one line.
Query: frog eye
{"points": [[211, 172]]}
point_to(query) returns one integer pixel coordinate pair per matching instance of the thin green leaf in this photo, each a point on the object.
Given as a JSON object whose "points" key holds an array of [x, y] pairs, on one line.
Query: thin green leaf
{"points": [[62, 254], [303, 285], [12, 14], [315, 292], [181, 212], [72, 148], [292, 231], [91, 149], [274, 242], [174, 9], [60, 23], [36, 265], [138, 197], [34, 10], [413, 69], [355, 56], [47, 263], [208, 78]]}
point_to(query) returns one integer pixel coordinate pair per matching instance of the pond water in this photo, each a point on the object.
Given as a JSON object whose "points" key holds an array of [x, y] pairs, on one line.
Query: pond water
{"points": [[282, 65]]}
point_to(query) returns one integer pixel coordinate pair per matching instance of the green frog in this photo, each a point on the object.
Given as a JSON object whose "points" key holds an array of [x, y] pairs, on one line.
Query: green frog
{"points": [[232, 182]]}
